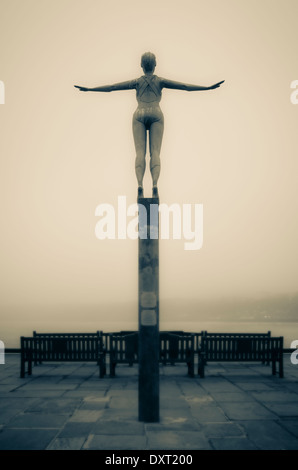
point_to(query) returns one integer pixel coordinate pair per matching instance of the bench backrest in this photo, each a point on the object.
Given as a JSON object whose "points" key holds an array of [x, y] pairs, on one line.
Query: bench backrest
{"points": [[229, 348], [62, 348], [173, 347], [124, 347], [176, 347]]}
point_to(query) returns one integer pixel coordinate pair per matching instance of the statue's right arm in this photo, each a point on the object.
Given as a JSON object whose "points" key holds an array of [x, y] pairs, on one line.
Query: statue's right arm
{"points": [[129, 85]]}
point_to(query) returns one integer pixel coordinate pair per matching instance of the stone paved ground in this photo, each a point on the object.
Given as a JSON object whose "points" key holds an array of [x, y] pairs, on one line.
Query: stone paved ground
{"points": [[66, 406]]}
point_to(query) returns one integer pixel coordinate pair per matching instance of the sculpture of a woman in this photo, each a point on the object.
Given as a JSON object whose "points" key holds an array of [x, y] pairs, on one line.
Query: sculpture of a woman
{"points": [[148, 115]]}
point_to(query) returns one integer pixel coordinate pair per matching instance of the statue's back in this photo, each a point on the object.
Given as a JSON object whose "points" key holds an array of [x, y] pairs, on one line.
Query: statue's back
{"points": [[148, 89]]}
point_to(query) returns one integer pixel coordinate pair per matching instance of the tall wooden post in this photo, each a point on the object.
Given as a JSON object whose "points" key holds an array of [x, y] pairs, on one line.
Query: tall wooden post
{"points": [[148, 310]]}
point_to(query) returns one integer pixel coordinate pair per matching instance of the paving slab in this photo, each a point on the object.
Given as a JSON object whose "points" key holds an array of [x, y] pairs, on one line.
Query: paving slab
{"points": [[11, 401], [219, 385], [253, 385], [7, 388], [232, 443], [119, 427], [178, 402], [92, 402], [192, 388], [129, 414], [40, 385], [248, 410], [76, 429], [223, 430], [21, 439], [122, 402], [208, 414], [79, 393], [284, 409], [7, 414], [90, 384], [37, 420], [269, 435], [174, 424], [43, 379], [37, 393], [232, 397], [12, 379], [74, 443], [115, 442], [177, 440], [69, 379], [176, 413], [293, 386], [85, 416], [55, 405], [200, 399], [290, 425], [124, 393], [276, 396]]}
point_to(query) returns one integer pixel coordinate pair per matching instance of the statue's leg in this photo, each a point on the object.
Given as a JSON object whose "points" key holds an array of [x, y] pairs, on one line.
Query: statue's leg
{"points": [[139, 134], [155, 136]]}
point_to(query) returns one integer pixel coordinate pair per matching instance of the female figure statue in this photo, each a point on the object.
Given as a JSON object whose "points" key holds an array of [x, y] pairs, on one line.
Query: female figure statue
{"points": [[148, 115]]}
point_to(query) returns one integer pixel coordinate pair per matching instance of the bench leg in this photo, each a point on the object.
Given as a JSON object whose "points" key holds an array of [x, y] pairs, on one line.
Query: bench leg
{"points": [[281, 366], [22, 374], [191, 368], [201, 368], [112, 367], [30, 366], [273, 365], [102, 366]]}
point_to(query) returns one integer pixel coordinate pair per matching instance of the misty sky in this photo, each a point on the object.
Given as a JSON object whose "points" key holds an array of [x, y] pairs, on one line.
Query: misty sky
{"points": [[63, 152]]}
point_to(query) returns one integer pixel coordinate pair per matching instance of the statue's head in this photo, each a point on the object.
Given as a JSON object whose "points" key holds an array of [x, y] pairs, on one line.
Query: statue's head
{"points": [[148, 62]]}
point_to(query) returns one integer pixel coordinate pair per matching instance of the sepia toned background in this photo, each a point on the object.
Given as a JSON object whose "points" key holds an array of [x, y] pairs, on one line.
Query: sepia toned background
{"points": [[63, 153]]}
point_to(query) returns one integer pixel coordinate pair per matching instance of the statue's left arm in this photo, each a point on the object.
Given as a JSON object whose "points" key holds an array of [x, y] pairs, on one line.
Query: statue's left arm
{"points": [[129, 85], [185, 86]]}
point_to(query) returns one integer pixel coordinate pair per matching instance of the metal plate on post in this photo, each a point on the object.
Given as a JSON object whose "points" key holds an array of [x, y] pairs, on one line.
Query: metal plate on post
{"points": [[148, 299], [148, 318]]}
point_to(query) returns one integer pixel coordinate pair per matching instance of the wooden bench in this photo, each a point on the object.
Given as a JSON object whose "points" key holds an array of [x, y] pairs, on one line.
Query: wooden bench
{"points": [[123, 349], [174, 347], [177, 348], [228, 348], [62, 347]]}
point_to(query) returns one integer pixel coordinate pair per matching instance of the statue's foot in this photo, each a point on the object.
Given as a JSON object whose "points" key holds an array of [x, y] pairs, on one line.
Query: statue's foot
{"points": [[140, 191], [154, 191]]}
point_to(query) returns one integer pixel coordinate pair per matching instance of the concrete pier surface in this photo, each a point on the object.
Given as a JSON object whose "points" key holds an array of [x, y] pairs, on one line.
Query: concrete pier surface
{"points": [[66, 406]]}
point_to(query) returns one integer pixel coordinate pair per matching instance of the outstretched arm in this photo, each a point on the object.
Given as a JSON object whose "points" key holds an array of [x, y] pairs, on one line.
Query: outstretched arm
{"points": [[184, 86], [129, 85]]}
